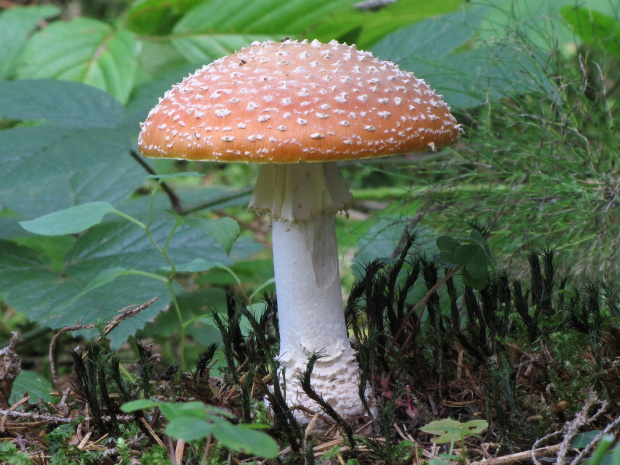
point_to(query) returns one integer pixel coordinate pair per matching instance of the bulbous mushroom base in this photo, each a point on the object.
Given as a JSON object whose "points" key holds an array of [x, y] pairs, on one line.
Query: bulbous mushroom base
{"points": [[335, 378]]}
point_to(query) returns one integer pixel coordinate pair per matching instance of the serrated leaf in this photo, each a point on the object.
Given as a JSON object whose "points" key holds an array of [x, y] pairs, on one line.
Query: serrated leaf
{"points": [[157, 17], [16, 24], [195, 266], [38, 387], [32, 153], [223, 230], [214, 29], [365, 28], [145, 96], [265, 17], [59, 103], [83, 50], [431, 38], [53, 168], [466, 77], [206, 47], [78, 156], [28, 285], [70, 221], [380, 239], [103, 278]]}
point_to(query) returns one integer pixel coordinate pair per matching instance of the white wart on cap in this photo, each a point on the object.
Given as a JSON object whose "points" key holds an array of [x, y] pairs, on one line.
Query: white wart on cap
{"points": [[290, 101]]}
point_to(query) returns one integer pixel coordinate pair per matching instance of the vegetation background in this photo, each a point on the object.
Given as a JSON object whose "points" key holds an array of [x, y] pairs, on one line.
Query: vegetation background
{"points": [[535, 85]]}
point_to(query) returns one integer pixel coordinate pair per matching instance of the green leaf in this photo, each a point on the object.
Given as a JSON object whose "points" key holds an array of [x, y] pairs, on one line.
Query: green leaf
{"points": [[380, 239], [432, 38], [103, 278], [466, 77], [34, 153], [173, 410], [365, 28], [475, 283], [38, 387], [16, 24], [242, 439], [473, 258], [204, 47], [214, 28], [224, 231], [450, 431], [101, 254], [59, 103], [188, 428], [83, 50], [10, 455], [173, 175], [265, 17], [70, 221], [476, 236], [594, 28], [140, 404], [447, 245], [157, 17], [77, 157], [145, 96], [615, 454], [195, 266]]}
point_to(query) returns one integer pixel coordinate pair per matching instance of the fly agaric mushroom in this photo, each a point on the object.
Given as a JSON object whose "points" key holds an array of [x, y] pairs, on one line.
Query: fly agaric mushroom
{"points": [[297, 108]]}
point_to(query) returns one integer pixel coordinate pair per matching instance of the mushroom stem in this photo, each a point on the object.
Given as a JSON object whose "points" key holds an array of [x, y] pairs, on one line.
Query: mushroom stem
{"points": [[310, 305]]}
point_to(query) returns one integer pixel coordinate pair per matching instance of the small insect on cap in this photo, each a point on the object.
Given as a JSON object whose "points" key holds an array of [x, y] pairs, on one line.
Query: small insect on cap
{"points": [[290, 101]]}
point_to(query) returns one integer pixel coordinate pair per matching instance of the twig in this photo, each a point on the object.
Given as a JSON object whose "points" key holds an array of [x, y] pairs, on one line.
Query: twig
{"points": [[152, 432], [519, 456], [175, 201], [595, 441], [127, 312], [57, 418], [64, 330], [218, 200], [572, 427]]}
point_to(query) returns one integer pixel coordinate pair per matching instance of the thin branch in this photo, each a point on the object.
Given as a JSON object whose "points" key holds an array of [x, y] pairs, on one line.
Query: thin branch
{"points": [[57, 418], [127, 312], [218, 200], [175, 201], [519, 456]]}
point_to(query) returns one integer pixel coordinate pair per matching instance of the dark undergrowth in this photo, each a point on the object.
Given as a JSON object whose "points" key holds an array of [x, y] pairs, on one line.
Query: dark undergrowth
{"points": [[529, 358]]}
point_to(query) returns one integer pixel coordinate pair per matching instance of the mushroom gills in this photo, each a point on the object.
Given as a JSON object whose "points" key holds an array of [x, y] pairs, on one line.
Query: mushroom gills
{"points": [[300, 191]]}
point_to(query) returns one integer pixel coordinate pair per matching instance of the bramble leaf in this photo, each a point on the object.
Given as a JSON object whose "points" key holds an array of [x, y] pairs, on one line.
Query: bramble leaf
{"points": [[70, 221], [16, 24], [83, 50]]}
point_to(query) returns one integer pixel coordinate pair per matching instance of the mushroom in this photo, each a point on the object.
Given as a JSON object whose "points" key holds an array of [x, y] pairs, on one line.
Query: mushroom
{"points": [[298, 108]]}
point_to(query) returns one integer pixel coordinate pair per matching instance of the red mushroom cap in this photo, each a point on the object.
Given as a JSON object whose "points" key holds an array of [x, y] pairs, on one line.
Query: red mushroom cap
{"points": [[285, 102]]}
